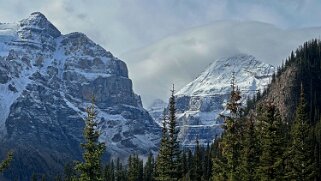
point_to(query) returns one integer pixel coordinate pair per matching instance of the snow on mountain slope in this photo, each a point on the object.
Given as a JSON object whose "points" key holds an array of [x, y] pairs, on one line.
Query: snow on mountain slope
{"points": [[250, 74], [47, 80], [156, 110], [200, 102]]}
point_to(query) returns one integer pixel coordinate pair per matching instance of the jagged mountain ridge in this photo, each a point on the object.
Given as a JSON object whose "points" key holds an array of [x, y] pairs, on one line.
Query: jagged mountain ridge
{"points": [[47, 80], [200, 102]]}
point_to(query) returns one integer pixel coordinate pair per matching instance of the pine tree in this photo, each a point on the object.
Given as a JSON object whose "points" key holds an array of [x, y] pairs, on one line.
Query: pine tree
{"points": [[149, 168], [184, 164], [107, 173], [230, 143], [140, 169], [190, 165], [70, 172], [119, 170], [219, 170], [272, 145], [34, 177], [162, 162], [175, 167], [112, 171], [317, 149], [56, 178], [250, 152], [90, 169], [301, 165], [124, 175], [6, 162], [134, 168], [207, 165], [198, 161]]}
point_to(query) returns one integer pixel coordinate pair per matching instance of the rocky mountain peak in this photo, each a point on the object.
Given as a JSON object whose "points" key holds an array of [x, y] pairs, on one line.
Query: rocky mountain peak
{"points": [[38, 23], [46, 82], [38, 16], [200, 102], [232, 61], [248, 71]]}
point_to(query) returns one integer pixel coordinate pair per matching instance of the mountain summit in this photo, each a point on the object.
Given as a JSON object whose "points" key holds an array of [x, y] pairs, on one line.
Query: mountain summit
{"points": [[200, 102], [250, 74], [38, 23], [46, 82]]}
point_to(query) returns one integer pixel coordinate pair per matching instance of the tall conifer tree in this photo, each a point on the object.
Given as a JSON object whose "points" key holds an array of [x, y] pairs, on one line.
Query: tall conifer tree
{"points": [[230, 143], [175, 167], [272, 143], [149, 168], [207, 165], [198, 161], [317, 149], [250, 151], [162, 162], [135, 168], [90, 169], [219, 170], [301, 165]]}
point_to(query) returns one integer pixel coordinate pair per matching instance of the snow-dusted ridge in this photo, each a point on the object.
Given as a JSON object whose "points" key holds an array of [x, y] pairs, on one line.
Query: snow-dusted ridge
{"points": [[200, 102], [46, 81], [250, 74], [156, 110]]}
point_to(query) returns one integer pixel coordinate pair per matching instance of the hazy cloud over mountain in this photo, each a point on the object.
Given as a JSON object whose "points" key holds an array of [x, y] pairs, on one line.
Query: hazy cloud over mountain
{"points": [[180, 58], [174, 40]]}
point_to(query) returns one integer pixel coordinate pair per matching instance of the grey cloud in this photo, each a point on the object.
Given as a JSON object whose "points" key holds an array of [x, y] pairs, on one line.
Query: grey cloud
{"points": [[180, 58], [127, 24], [82, 16]]}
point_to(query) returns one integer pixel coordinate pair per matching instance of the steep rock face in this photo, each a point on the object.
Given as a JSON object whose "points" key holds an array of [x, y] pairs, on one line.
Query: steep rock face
{"points": [[284, 92], [201, 101], [46, 81], [301, 68]]}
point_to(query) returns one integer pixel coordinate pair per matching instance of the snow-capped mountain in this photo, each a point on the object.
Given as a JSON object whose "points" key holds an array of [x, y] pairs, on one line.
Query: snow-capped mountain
{"points": [[200, 102], [46, 81], [156, 110]]}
